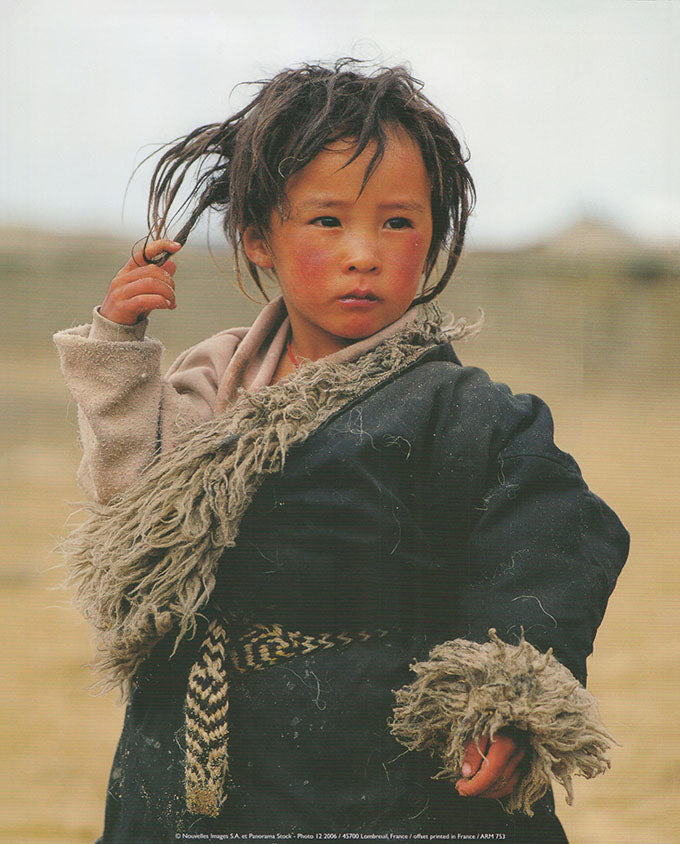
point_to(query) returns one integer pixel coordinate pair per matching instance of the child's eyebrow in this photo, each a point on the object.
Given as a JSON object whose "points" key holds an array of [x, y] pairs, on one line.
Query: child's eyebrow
{"points": [[327, 202], [322, 202], [402, 206]]}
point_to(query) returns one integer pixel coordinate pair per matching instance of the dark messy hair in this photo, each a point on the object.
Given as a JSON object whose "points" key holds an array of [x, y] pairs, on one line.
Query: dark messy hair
{"points": [[244, 163]]}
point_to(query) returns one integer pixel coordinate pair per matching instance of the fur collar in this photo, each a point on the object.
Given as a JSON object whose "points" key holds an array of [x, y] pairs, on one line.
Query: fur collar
{"points": [[145, 563]]}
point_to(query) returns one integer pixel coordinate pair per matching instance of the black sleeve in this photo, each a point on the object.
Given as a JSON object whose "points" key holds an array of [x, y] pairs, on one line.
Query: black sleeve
{"points": [[533, 555], [543, 552]]}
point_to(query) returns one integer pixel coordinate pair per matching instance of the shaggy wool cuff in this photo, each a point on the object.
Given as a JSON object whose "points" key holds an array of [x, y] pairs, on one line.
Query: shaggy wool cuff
{"points": [[466, 689]]}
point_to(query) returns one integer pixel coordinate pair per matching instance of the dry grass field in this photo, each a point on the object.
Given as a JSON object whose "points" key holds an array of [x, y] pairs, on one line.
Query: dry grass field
{"points": [[598, 342]]}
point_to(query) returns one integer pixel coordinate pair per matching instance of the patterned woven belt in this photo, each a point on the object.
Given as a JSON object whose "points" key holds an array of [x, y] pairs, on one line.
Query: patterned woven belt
{"points": [[207, 702]]}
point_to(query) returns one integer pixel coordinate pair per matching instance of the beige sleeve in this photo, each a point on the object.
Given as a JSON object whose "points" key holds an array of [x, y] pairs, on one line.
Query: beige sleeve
{"points": [[126, 410]]}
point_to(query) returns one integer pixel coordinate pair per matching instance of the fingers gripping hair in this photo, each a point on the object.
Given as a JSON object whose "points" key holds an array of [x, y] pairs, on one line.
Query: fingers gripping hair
{"points": [[243, 164], [210, 150]]}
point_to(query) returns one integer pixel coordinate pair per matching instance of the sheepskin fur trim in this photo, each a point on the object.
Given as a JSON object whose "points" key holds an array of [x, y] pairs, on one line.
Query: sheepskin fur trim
{"points": [[144, 563], [467, 689]]}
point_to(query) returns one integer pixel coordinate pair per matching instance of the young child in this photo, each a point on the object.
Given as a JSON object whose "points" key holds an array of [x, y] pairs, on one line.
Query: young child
{"points": [[302, 514]]}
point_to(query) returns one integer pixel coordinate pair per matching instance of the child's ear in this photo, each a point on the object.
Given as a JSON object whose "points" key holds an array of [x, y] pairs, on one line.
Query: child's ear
{"points": [[256, 248]]}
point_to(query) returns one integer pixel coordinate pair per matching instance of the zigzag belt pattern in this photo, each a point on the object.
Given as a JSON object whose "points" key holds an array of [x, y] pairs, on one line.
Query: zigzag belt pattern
{"points": [[207, 701]]}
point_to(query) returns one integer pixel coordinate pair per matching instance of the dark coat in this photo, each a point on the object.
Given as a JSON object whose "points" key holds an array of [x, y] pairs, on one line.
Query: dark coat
{"points": [[436, 506]]}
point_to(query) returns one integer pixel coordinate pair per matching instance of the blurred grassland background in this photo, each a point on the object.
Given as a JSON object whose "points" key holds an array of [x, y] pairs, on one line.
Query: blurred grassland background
{"points": [[588, 320]]}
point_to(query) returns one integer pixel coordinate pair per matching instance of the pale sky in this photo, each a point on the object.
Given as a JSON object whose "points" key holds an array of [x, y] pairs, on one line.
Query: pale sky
{"points": [[568, 107]]}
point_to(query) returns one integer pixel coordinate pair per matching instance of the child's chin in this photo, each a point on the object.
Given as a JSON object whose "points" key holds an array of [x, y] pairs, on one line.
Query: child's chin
{"points": [[355, 336], [360, 331]]}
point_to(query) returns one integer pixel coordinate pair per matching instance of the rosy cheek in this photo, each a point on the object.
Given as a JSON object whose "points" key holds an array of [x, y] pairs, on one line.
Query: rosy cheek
{"points": [[306, 266], [311, 260], [308, 269], [412, 252]]}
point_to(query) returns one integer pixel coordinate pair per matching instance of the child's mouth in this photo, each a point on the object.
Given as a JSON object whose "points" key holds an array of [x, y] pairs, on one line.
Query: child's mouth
{"points": [[359, 298]]}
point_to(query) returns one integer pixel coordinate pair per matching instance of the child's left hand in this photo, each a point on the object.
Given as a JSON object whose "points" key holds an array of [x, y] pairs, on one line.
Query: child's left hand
{"points": [[493, 768]]}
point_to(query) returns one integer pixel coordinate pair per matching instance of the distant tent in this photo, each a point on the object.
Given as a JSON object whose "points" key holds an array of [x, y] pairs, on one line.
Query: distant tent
{"points": [[590, 238]]}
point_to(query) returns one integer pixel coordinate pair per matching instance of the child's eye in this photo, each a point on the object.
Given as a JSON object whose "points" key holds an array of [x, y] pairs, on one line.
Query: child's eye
{"points": [[398, 223], [326, 222]]}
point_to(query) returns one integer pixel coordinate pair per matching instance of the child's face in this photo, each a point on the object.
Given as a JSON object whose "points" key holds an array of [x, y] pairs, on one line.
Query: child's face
{"points": [[349, 264]]}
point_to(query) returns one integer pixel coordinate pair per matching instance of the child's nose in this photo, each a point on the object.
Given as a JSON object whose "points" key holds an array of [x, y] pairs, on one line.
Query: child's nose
{"points": [[362, 256]]}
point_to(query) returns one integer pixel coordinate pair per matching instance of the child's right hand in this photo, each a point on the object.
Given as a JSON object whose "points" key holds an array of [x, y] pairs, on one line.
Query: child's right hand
{"points": [[139, 288], [493, 769]]}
